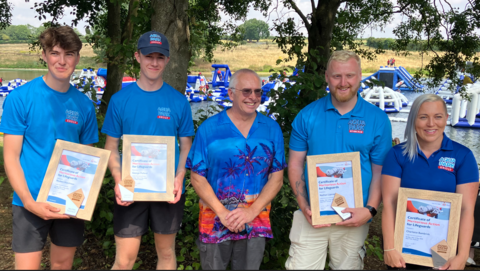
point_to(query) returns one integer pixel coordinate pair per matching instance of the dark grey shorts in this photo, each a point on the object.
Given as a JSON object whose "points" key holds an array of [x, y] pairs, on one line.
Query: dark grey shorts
{"points": [[134, 220], [246, 254], [30, 231]]}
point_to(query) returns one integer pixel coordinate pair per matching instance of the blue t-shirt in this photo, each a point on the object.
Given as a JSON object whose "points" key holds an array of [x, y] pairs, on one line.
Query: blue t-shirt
{"points": [[164, 112], [42, 115], [451, 165], [320, 129], [237, 168]]}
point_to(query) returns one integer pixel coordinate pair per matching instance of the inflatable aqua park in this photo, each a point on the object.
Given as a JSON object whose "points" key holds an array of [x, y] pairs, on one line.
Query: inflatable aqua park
{"points": [[395, 78], [466, 111], [10, 86], [219, 85]]}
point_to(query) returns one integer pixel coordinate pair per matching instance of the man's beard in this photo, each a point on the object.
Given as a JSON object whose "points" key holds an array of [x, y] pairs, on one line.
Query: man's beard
{"points": [[347, 97]]}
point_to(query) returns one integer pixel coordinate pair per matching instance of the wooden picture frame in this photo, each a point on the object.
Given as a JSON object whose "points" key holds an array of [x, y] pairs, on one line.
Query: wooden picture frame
{"points": [[70, 165], [167, 142], [404, 194], [353, 158]]}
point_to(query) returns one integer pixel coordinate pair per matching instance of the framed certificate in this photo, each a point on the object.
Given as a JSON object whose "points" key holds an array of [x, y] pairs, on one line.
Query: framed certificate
{"points": [[424, 219], [73, 179], [332, 174], [148, 168]]}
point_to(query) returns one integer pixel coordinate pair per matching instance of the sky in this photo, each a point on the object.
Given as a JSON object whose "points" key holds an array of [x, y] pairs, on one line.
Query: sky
{"points": [[23, 14]]}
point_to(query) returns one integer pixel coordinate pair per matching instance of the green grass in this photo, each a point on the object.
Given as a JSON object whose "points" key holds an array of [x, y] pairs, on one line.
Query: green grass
{"points": [[33, 62]]}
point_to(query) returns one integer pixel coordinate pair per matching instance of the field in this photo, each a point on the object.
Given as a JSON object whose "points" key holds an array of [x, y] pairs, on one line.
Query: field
{"points": [[19, 56], [260, 57]]}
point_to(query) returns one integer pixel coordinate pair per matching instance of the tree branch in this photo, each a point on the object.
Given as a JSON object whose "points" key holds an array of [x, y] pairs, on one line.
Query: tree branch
{"points": [[400, 10], [299, 12], [313, 4]]}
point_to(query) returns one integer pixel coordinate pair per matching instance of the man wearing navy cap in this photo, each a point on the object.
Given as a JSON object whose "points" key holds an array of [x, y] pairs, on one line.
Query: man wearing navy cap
{"points": [[148, 107]]}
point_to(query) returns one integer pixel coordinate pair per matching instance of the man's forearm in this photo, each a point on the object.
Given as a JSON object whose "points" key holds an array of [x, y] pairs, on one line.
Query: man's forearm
{"points": [[17, 180], [205, 192], [297, 182], [269, 191], [375, 191], [185, 145], [114, 160]]}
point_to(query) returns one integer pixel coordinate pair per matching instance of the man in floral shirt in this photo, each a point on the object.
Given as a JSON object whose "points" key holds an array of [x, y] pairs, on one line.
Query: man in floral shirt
{"points": [[237, 162]]}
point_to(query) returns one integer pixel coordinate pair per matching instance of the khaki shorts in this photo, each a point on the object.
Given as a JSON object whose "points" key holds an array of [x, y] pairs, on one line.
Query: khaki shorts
{"points": [[309, 246]]}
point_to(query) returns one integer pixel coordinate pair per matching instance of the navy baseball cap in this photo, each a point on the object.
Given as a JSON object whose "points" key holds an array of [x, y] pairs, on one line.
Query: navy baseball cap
{"points": [[153, 42]]}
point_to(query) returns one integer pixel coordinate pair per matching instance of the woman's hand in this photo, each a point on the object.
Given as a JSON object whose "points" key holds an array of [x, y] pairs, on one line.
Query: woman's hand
{"points": [[454, 263], [393, 258]]}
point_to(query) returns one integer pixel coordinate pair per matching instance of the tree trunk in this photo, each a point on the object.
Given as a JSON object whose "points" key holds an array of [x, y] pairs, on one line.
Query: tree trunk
{"points": [[114, 70], [321, 30], [170, 18]]}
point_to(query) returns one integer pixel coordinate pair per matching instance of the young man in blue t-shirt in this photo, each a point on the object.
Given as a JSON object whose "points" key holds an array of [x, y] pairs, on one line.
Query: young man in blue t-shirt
{"points": [[148, 107], [35, 115]]}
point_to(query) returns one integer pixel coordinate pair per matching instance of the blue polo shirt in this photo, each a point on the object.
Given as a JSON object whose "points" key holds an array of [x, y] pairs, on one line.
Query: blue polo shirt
{"points": [[237, 169], [451, 165], [164, 112], [42, 115], [320, 129]]}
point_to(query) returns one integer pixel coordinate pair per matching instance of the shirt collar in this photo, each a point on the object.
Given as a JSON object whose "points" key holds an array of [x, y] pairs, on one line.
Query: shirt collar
{"points": [[447, 144], [357, 111]]}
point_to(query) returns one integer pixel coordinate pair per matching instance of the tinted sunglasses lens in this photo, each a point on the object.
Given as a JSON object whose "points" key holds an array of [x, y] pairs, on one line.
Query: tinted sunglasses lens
{"points": [[247, 91]]}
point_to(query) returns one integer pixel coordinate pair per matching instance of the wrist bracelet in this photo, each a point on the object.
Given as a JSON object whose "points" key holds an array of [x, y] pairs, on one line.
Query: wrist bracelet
{"points": [[385, 250]]}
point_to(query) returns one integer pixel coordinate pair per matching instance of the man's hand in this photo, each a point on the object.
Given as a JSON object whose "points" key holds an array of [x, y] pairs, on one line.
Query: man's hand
{"points": [[45, 211], [360, 216], [455, 263], [118, 197], [177, 187], [223, 219], [307, 212], [239, 217]]}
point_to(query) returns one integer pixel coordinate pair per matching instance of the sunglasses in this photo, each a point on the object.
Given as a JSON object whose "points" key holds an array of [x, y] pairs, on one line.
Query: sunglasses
{"points": [[248, 91]]}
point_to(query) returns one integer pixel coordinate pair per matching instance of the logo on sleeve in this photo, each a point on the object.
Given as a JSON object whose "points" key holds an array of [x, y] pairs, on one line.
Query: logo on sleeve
{"points": [[71, 116], [155, 39], [163, 113], [446, 163], [356, 126]]}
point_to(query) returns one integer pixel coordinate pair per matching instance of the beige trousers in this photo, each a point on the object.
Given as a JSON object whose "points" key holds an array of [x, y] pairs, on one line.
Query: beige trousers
{"points": [[309, 246]]}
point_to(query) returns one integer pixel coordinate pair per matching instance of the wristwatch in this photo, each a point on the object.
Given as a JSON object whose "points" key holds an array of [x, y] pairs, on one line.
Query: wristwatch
{"points": [[372, 210]]}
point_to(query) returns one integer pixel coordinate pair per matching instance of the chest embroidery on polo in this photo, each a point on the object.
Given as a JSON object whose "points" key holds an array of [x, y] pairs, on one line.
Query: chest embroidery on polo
{"points": [[356, 126], [163, 113], [446, 163], [71, 116]]}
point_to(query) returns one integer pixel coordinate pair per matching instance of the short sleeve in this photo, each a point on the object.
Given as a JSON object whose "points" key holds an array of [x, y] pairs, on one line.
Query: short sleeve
{"points": [[186, 122], [279, 160], [299, 137], [392, 165], [89, 134], [14, 116], [113, 125], [467, 171], [382, 142], [197, 160]]}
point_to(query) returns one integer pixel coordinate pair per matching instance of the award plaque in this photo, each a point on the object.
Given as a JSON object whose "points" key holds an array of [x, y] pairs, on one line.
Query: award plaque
{"points": [[335, 183], [148, 168], [73, 179], [426, 226]]}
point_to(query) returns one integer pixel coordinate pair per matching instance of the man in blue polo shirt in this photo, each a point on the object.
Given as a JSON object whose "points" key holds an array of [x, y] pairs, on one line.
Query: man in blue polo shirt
{"points": [[148, 107], [237, 163], [35, 115], [340, 122]]}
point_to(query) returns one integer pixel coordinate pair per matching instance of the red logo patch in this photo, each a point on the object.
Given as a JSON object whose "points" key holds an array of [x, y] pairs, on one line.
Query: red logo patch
{"points": [[71, 121], [356, 131], [163, 117], [446, 168], [155, 42]]}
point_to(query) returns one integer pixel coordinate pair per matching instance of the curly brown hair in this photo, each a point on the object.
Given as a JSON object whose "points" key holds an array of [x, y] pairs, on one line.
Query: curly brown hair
{"points": [[63, 36]]}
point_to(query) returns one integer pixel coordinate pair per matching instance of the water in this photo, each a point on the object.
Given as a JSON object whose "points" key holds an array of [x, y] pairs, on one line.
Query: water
{"points": [[466, 136]]}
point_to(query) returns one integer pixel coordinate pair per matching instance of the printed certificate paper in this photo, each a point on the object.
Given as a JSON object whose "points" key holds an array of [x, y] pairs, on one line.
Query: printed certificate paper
{"points": [[426, 224], [331, 174], [73, 179], [148, 167], [75, 171], [334, 178]]}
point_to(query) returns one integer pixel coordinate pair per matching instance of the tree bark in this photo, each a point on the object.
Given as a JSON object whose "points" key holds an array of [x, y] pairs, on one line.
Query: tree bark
{"points": [[170, 18], [114, 70], [321, 30]]}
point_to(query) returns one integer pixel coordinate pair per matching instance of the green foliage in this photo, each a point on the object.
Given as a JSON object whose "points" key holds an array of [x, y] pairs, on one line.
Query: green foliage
{"points": [[374, 247], [254, 29], [5, 13]]}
